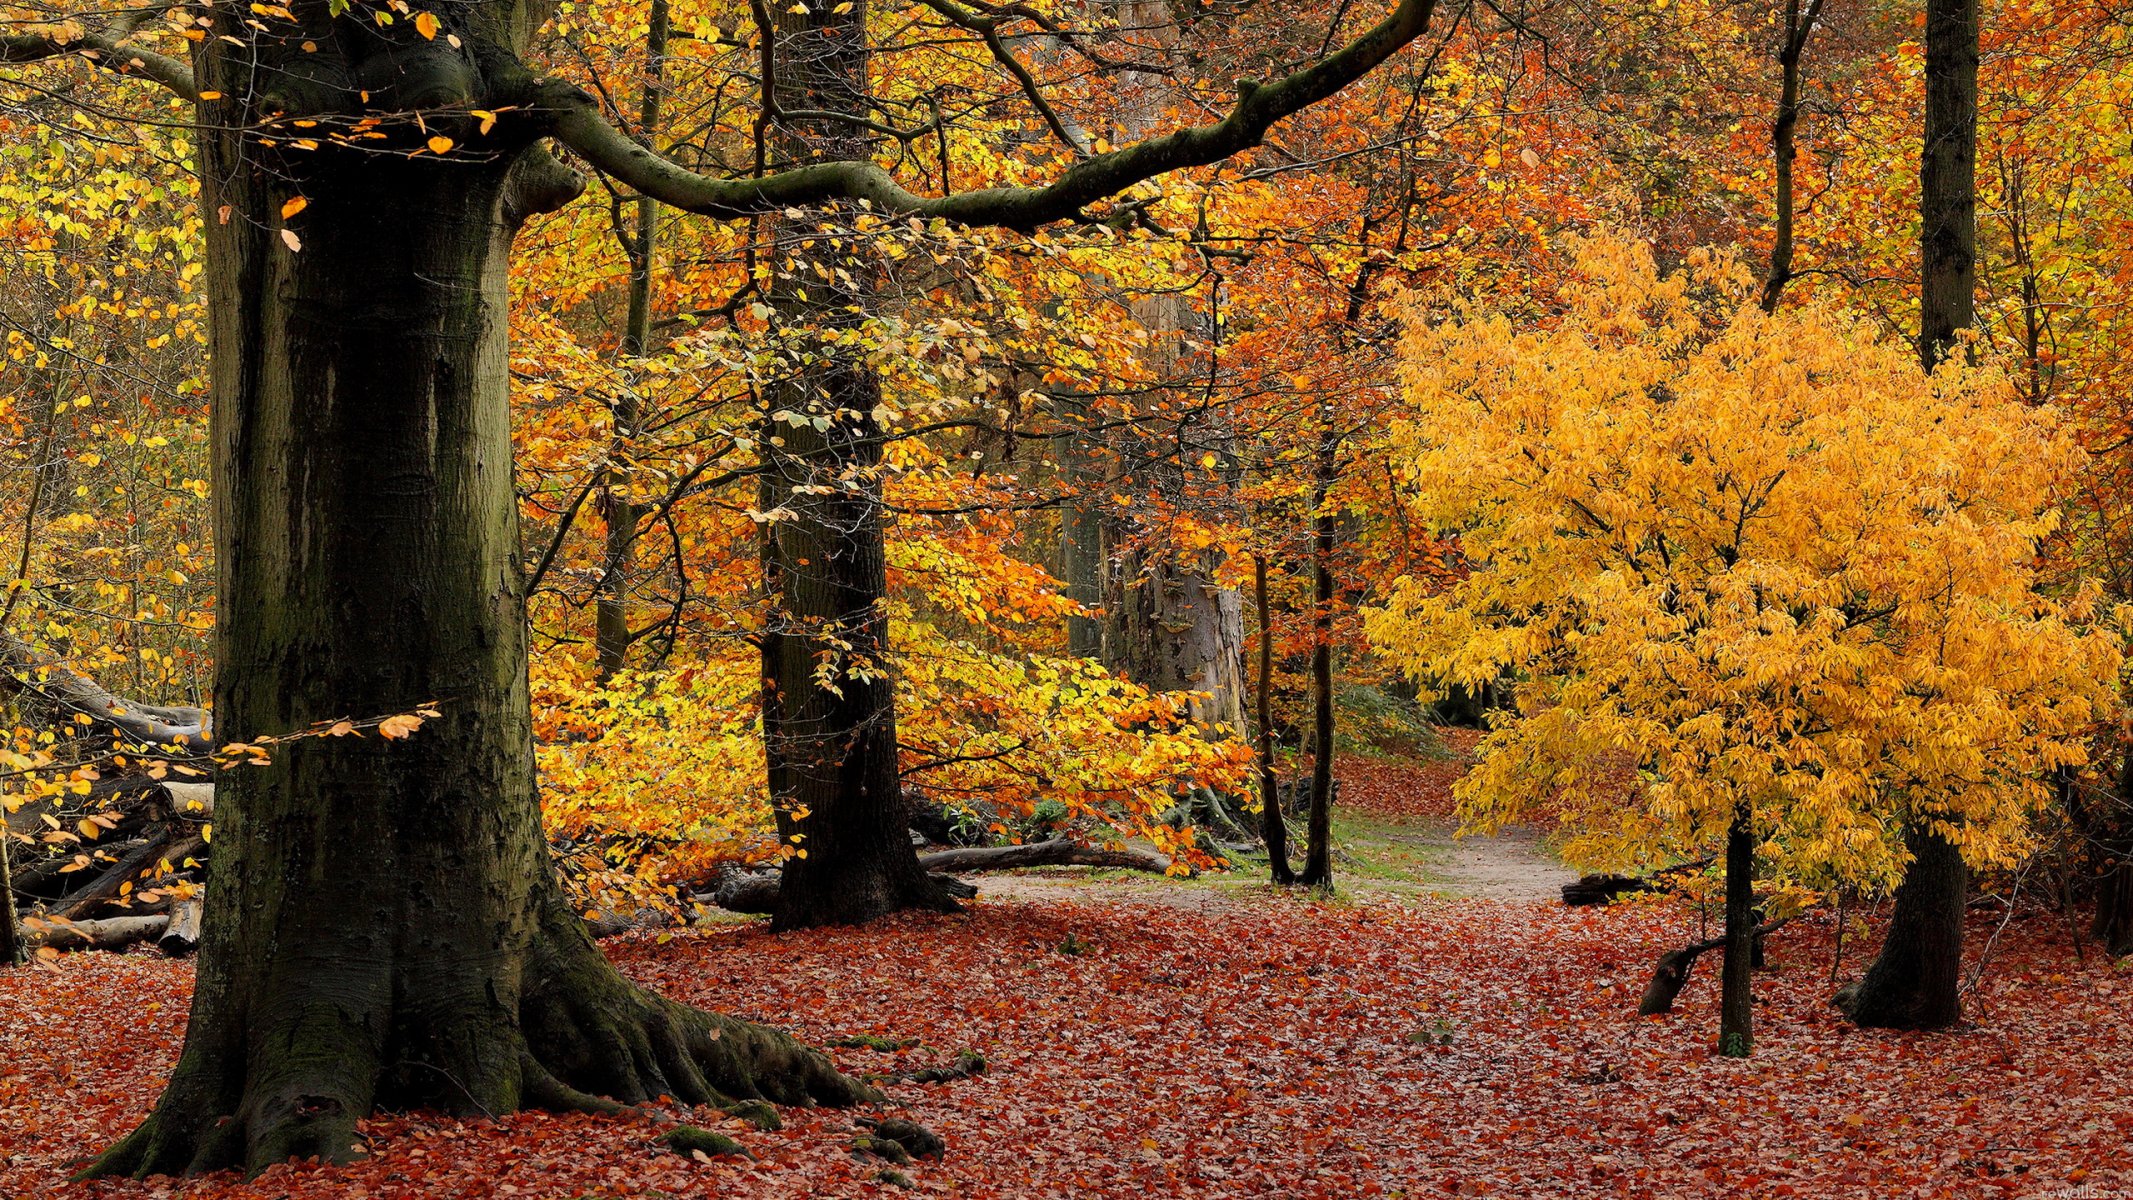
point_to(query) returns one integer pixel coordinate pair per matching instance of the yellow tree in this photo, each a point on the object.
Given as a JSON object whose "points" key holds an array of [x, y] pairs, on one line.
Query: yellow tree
{"points": [[1765, 556]]}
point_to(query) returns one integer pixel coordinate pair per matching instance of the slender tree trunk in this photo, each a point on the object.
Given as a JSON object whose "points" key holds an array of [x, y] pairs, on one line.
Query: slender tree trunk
{"points": [[385, 928], [1784, 148], [611, 636], [1916, 981], [10, 934], [1081, 529], [831, 742], [1273, 827], [1318, 854], [1736, 1013]]}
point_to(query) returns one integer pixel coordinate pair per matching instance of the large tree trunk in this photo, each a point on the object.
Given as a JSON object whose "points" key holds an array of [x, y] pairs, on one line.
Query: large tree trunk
{"points": [[1177, 630], [1736, 1012], [830, 742], [2110, 836], [1914, 984], [385, 929], [1916, 981]]}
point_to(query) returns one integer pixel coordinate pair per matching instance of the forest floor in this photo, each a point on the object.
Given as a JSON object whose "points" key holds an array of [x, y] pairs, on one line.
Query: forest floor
{"points": [[1438, 1029]]}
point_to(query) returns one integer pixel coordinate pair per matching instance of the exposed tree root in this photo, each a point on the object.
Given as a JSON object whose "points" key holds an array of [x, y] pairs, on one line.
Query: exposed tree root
{"points": [[584, 1040]]}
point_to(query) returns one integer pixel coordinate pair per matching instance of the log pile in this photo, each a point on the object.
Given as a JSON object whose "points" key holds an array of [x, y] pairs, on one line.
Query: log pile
{"points": [[140, 881], [121, 860]]}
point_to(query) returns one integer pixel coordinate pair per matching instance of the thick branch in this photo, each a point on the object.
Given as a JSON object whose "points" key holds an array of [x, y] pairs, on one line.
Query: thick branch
{"points": [[106, 51], [576, 122]]}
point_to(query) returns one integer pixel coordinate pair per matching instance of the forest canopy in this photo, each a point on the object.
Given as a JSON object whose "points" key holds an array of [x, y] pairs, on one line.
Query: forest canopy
{"points": [[496, 496]]}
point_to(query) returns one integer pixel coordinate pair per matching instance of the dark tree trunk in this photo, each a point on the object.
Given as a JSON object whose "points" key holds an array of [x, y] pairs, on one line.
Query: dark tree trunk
{"points": [[1273, 827], [832, 749], [1318, 854], [1784, 137], [384, 928], [2111, 849], [611, 611], [1736, 1011], [1947, 180], [1915, 983]]}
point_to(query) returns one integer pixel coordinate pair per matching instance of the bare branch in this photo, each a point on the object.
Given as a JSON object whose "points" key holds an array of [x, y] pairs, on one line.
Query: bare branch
{"points": [[575, 120], [108, 50]]}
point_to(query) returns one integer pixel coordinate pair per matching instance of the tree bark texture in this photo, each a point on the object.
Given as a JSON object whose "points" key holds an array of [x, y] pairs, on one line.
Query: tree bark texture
{"points": [[1736, 1015], [1915, 982], [384, 928], [829, 691]]}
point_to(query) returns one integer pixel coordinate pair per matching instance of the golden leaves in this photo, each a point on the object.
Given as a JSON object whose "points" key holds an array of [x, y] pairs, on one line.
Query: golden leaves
{"points": [[1761, 558]]}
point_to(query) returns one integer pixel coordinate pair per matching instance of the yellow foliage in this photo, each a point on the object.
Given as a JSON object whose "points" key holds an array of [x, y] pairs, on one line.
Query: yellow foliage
{"points": [[1764, 558]]}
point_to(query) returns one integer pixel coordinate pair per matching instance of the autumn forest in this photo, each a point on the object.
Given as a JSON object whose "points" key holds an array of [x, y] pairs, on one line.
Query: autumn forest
{"points": [[628, 599]]}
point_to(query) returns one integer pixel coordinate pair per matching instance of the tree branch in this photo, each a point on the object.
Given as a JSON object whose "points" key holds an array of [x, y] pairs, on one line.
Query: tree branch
{"points": [[106, 51], [575, 120]]}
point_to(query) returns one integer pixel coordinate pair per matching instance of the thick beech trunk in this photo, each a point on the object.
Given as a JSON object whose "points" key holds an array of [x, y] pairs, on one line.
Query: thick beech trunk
{"points": [[1916, 981], [830, 743], [384, 928], [1736, 1012]]}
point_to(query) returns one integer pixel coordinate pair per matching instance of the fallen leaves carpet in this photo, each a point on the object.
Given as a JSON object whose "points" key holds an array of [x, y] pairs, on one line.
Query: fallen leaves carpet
{"points": [[1264, 1047]]}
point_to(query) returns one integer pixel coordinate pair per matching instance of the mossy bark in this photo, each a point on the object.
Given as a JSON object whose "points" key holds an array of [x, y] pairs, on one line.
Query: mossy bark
{"points": [[385, 929]]}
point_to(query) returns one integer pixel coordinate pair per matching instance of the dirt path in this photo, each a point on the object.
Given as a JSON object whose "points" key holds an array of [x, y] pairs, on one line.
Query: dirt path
{"points": [[1376, 861], [1512, 865]]}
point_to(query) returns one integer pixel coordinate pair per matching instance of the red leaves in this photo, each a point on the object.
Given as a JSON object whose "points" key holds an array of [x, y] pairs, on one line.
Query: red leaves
{"points": [[1401, 789], [1265, 1048]]}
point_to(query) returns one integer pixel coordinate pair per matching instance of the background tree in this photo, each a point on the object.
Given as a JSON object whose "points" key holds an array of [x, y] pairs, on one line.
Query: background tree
{"points": [[1759, 557]]}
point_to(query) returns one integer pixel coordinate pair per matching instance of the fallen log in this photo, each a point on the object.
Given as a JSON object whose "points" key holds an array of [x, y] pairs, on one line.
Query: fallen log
{"points": [[1602, 889], [180, 728], [756, 893], [182, 936], [108, 886], [113, 933], [1671, 974], [1058, 852], [191, 801]]}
